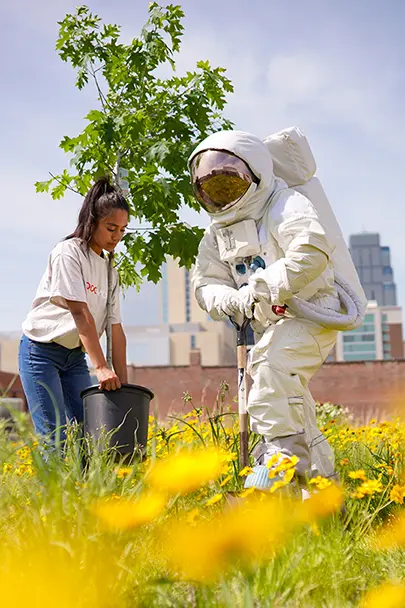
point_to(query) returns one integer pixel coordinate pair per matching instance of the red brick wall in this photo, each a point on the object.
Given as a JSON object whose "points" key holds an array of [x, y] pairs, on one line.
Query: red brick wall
{"points": [[369, 389]]}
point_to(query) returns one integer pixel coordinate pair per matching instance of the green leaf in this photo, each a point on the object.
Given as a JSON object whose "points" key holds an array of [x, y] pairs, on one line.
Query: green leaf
{"points": [[43, 186]]}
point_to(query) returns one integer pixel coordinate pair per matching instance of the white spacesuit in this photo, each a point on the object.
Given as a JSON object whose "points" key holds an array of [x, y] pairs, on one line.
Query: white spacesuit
{"points": [[269, 253]]}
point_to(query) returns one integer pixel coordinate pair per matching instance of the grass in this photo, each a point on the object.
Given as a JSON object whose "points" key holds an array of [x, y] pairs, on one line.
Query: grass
{"points": [[166, 533]]}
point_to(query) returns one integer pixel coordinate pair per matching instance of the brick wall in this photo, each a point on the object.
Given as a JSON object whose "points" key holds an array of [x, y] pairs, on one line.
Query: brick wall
{"points": [[370, 389]]}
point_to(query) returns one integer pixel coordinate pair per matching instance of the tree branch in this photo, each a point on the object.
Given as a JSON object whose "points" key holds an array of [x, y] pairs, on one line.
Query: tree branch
{"points": [[64, 184], [102, 97]]}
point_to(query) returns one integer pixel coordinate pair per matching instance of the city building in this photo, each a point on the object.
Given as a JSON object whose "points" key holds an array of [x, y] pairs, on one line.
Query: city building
{"points": [[378, 338], [373, 265], [9, 344]]}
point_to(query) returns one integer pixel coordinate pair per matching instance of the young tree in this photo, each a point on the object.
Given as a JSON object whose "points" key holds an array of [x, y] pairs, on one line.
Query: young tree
{"points": [[146, 124]]}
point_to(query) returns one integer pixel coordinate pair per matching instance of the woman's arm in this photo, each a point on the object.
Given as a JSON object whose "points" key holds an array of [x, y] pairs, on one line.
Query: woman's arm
{"points": [[119, 352], [86, 327]]}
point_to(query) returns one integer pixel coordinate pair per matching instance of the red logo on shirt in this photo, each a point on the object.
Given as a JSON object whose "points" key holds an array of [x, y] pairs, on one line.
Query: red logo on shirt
{"points": [[91, 288]]}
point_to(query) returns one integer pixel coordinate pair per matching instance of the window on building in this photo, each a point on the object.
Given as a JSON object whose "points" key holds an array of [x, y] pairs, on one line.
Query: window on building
{"points": [[359, 338], [366, 328], [359, 357], [369, 318], [349, 338], [367, 338], [193, 342], [371, 347]]}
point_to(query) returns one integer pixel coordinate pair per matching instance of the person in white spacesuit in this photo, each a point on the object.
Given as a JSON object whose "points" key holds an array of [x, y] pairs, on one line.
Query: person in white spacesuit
{"points": [[264, 248]]}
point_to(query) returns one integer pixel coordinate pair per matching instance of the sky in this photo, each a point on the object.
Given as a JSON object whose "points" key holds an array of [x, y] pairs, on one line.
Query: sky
{"points": [[336, 70]]}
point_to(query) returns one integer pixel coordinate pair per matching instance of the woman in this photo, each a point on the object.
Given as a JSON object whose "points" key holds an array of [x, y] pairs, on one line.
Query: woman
{"points": [[69, 314]]}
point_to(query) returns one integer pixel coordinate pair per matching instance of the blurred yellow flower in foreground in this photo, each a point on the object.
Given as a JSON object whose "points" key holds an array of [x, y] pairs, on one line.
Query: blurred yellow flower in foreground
{"points": [[253, 530], [47, 576], [249, 533], [128, 514], [387, 595], [392, 535], [186, 471], [323, 503]]}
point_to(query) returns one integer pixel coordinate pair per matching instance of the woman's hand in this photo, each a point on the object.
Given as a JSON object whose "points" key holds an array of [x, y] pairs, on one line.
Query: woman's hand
{"points": [[108, 379]]}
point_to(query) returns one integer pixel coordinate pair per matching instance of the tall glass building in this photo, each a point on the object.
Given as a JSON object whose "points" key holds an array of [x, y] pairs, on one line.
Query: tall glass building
{"points": [[373, 265]]}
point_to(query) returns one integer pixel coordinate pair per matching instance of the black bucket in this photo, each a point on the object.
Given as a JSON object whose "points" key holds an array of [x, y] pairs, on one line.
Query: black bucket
{"points": [[124, 411]]}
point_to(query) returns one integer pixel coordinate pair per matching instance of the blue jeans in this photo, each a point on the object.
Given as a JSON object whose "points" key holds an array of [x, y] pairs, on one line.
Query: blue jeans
{"points": [[52, 377]]}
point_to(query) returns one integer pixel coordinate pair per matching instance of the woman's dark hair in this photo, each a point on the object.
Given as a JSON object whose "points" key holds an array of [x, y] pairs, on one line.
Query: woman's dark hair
{"points": [[101, 199]]}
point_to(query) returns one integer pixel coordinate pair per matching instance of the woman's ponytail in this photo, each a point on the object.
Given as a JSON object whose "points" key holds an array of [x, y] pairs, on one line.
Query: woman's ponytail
{"points": [[98, 203]]}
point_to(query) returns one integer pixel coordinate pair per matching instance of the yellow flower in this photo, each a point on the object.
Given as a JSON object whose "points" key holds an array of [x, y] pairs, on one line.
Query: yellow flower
{"points": [[230, 457], [7, 467], [245, 471], [370, 487], [320, 482], [323, 503], [24, 468], [186, 471], [392, 535], [127, 514], [344, 461], [204, 552], [286, 463], [273, 460], [358, 475], [24, 453], [277, 485], [225, 481], [214, 499], [192, 516], [397, 494], [284, 481], [247, 492], [124, 472], [388, 595]]}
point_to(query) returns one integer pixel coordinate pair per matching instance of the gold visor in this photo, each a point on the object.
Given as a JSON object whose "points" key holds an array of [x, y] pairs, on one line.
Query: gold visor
{"points": [[219, 179]]}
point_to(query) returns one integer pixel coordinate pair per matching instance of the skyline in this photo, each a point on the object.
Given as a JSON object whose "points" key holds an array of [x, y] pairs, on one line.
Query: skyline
{"points": [[335, 71]]}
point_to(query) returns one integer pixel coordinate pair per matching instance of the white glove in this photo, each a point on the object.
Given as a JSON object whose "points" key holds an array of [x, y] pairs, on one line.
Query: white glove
{"points": [[239, 301]]}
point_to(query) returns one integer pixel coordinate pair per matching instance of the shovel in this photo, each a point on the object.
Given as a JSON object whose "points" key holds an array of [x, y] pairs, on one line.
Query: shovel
{"points": [[241, 350]]}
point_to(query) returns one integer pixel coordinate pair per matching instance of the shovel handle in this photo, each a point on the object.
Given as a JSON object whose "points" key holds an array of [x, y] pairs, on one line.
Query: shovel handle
{"points": [[241, 339]]}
